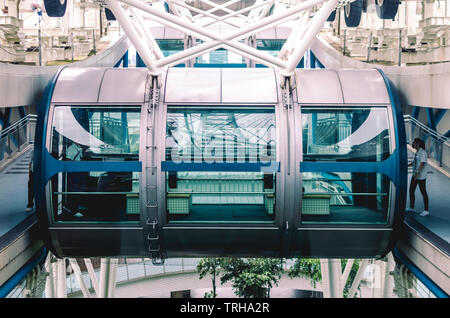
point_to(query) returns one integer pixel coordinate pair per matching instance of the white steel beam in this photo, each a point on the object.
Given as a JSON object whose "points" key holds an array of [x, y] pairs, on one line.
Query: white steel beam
{"points": [[231, 15], [183, 5], [61, 288], [294, 36], [388, 286], [256, 14], [144, 51], [216, 7], [49, 266], [347, 270], [331, 277], [79, 277], [287, 61], [92, 276], [315, 25], [147, 34], [359, 275], [105, 272], [179, 11], [112, 277]]}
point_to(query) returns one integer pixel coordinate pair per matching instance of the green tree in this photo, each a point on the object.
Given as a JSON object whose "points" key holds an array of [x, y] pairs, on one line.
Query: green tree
{"points": [[213, 267], [252, 277], [306, 268], [310, 268]]}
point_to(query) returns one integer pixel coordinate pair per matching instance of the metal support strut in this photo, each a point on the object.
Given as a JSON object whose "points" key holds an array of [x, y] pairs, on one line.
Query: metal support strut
{"points": [[152, 224]]}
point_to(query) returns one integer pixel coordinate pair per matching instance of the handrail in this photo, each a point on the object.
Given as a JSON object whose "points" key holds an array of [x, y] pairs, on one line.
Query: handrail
{"points": [[17, 123], [438, 145], [430, 132], [16, 138]]}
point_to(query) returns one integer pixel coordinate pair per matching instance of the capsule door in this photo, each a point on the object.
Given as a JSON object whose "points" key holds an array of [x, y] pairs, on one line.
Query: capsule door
{"points": [[347, 182], [221, 189], [92, 172]]}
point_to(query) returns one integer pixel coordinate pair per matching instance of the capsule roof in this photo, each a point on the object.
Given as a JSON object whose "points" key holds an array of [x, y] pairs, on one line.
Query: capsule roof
{"points": [[220, 85]]}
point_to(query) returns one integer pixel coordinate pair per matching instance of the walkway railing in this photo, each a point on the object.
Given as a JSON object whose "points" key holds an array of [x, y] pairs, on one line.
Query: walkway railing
{"points": [[437, 145], [16, 138]]}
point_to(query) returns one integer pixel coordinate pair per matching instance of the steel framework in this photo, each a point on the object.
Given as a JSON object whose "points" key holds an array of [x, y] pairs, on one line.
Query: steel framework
{"points": [[305, 17]]}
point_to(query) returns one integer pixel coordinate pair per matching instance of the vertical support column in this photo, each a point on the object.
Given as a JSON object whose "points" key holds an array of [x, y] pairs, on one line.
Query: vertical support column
{"points": [[112, 278], [61, 291], [94, 48], [399, 47], [430, 116], [388, 286], [50, 280], [40, 46], [71, 45], [345, 41], [105, 272], [331, 277], [378, 278]]}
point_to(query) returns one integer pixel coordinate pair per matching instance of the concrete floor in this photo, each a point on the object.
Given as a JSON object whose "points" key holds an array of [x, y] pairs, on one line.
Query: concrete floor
{"points": [[438, 221], [13, 193]]}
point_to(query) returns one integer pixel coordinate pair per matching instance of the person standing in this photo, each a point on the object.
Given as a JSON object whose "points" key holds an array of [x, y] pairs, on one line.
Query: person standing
{"points": [[419, 176]]}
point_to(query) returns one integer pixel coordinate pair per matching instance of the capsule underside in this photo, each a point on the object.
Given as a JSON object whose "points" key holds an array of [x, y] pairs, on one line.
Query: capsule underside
{"points": [[220, 162]]}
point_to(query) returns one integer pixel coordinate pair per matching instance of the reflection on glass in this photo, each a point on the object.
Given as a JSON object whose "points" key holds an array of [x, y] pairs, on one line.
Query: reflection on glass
{"points": [[95, 196], [220, 197], [88, 133], [352, 134], [219, 136], [345, 197], [273, 47]]}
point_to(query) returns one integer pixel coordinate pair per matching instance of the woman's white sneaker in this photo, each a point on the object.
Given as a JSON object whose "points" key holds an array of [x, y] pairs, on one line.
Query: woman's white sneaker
{"points": [[425, 213]]}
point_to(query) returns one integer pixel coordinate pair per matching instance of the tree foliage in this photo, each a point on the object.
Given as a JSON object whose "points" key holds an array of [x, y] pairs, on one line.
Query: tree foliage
{"points": [[306, 268], [213, 267], [252, 277], [310, 268]]}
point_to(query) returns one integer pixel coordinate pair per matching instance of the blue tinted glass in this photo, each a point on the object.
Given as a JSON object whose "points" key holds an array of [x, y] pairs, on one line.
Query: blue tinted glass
{"points": [[352, 134], [95, 196], [345, 198], [92, 133], [218, 136], [220, 197]]}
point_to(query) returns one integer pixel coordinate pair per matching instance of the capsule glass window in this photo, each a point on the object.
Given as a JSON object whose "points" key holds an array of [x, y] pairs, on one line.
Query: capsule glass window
{"points": [[198, 141], [95, 133], [345, 198], [95, 196], [345, 134]]}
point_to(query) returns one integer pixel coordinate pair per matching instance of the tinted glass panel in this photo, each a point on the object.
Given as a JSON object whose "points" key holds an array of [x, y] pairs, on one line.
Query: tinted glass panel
{"points": [[352, 134], [219, 136], [95, 196], [220, 197], [210, 137], [344, 197], [88, 133]]}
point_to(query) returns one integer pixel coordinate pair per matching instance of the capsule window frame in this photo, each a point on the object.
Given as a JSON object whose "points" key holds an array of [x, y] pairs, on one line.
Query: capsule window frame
{"points": [[48, 140]]}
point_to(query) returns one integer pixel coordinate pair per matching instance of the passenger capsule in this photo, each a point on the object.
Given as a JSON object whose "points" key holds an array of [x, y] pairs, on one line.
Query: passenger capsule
{"points": [[220, 162]]}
